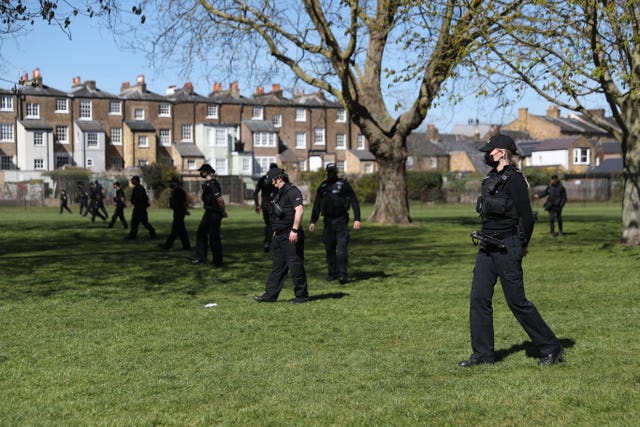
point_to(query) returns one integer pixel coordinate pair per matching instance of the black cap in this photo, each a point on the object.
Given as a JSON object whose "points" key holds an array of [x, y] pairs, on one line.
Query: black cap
{"points": [[175, 179], [274, 173], [500, 141], [273, 165], [331, 167], [206, 168], [135, 178]]}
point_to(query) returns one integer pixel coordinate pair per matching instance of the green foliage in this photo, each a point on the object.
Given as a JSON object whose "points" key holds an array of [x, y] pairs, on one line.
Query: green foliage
{"points": [[67, 178], [157, 175], [424, 186], [366, 187], [540, 176], [162, 201], [98, 331]]}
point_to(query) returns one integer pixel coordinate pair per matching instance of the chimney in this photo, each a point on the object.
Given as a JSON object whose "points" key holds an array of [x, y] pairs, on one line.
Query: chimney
{"points": [[432, 133], [24, 78], [276, 87], [36, 77], [36, 73], [553, 112], [124, 86], [523, 113], [171, 90], [75, 81], [217, 87], [597, 113], [140, 79], [188, 88], [91, 84], [234, 88], [259, 90]]}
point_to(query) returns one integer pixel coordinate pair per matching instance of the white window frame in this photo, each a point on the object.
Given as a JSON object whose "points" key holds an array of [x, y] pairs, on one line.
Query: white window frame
{"points": [[164, 110], [115, 107], [257, 112], [85, 109], [341, 115], [33, 110], [277, 120], [360, 142], [143, 163], [165, 137], [138, 114], [221, 166], [6, 132], [246, 165], [341, 141], [221, 138], [301, 114], [301, 140], [186, 133], [262, 164], [213, 111], [62, 134], [6, 103], [62, 105], [38, 138], [264, 139], [6, 162], [143, 141], [92, 140], [62, 160], [581, 156], [38, 164], [191, 165], [302, 165], [118, 136], [319, 136], [340, 164], [89, 162]]}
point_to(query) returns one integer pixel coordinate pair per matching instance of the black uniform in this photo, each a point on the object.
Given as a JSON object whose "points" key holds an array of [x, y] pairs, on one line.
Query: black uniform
{"points": [[84, 200], [209, 229], [506, 215], [265, 188], [557, 198], [64, 199], [179, 203], [333, 198], [286, 256], [99, 190], [93, 204], [140, 202], [119, 202]]}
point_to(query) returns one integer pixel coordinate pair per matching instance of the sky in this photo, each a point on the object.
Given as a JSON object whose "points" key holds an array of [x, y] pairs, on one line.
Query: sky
{"points": [[93, 54]]}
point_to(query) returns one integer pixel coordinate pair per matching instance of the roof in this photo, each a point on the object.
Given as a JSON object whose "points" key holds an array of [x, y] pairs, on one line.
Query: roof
{"points": [[271, 99], [287, 156], [35, 124], [226, 97], [418, 146], [316, 99], [363, 155], [185, 95], [140, 125], [186, 149], [260, 126], [609, 166], [554, 144], [83, 91], [136, 92], [89, 125], [40, 91], [610, 148]]}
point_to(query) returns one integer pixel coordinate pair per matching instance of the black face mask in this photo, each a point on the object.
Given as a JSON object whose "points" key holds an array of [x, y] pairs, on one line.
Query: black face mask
{"points": [[488, 160]]}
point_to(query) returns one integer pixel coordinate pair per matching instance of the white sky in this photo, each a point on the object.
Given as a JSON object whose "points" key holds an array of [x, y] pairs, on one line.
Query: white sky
{"points": [[93, 54]]}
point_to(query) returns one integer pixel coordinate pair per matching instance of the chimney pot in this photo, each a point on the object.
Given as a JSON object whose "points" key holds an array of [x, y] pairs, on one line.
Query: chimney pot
{"points": [[275, 87], [140, 78], [36, 73]]}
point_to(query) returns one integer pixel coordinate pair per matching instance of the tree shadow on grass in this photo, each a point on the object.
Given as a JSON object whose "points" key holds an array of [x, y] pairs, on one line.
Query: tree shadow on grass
{"points": [[329, 295], [529, 349]]}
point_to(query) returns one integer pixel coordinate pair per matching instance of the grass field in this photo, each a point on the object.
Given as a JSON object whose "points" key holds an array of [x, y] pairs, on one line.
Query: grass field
{"points": [[98, 331]]}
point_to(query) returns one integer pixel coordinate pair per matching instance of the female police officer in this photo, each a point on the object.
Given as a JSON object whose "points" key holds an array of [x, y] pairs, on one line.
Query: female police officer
{"points": [[506, 215]]}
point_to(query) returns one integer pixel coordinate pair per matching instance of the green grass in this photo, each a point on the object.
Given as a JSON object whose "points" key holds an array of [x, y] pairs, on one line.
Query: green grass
{"points": [[98, 331]]}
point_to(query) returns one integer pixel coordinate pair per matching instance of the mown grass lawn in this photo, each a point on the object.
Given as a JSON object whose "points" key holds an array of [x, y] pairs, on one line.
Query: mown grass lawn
{"points": [[98, 331]]}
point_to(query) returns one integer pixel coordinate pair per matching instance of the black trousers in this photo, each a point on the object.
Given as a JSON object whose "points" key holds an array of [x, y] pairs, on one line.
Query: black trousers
{"points": [[64, 206], [118, 214], [287, 257], [335, 237], [266, 217], [93, 210], [178, 229], [140, 216], [208, 234], [493, 263], [555, 214], [84, 207]]}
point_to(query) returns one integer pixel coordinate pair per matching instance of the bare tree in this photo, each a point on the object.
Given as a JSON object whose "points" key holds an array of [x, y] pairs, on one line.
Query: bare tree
{"points": [[573, 53], [359, 51]]}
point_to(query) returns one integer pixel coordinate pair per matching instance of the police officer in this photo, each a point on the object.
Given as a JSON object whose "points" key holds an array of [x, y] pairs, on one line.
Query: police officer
{"points": [[287, 244], [333, 198], [265, 189], [84, 200], [64, 200], [99, 190], [214, 210], [119, 201], [179, 203], [506, 214], [140, 202], [93, 204], [557, 198]]}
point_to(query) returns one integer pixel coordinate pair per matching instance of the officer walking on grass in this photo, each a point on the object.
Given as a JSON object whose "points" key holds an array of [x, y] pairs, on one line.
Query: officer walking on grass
{"points": [[208, 233], [119, 201], [287, 244], [265, 190], [140, 202], [179, 203], [333, 198]]}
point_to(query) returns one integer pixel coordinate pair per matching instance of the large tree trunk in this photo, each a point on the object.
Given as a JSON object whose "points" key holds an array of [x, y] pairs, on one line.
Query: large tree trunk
{"points": [[631, 197], [392, 205]]}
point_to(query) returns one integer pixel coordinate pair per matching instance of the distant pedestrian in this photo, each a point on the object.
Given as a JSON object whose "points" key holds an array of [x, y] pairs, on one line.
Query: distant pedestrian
{"points": [[287, 246], [100, 195], [93, 204], [64, 199], [119, 202], [262, 196], [208, 234], [556, 199], [179, 203], [83, 198], [333, 199], [140, 202]]}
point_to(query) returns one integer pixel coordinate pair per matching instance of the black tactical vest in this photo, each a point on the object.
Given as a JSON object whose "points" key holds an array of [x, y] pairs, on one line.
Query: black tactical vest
{"points": [[494, 203]]}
